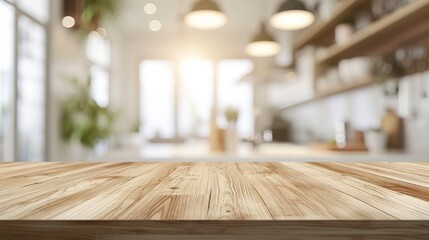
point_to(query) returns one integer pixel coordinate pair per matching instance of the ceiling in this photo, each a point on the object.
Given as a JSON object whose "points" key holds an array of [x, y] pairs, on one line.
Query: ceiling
{"points": [[243, 15]]}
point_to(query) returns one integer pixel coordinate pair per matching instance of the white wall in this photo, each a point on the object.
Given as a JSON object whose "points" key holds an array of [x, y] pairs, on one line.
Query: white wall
{"points": [[67, 60]]}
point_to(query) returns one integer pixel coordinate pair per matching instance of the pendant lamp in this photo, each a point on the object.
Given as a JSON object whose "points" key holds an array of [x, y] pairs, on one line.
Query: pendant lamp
{"points": [[292, 15], [206, 14], [263, 44]]}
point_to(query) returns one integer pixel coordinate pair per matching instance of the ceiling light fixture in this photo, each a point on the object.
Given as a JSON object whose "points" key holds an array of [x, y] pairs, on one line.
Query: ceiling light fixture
{"points": [[68, 22], [155, 25], [71, 13], [292, 15], [150, 8], [263, 44], [206, 14]]}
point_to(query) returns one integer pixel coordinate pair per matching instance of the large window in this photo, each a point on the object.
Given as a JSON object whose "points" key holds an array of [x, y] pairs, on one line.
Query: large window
{"points": [[177, 103], [23, 79], [39, 9], [235, 94], [31, 90], [195, 101], [98, 53], [6, 80], [157, 99]]}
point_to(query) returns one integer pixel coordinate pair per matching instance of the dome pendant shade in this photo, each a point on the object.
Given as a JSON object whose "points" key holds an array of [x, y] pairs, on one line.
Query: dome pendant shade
{"points": [[292, 15], [206, 14], [263, 45]]}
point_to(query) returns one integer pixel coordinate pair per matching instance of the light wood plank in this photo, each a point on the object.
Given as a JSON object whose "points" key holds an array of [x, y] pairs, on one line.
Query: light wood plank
{"points": [[212, 200]]}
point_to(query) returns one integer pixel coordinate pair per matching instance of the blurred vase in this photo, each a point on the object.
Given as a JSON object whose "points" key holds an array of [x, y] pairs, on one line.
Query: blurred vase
{"points": [[376, 141], [361, 68], [326, 9], [343, 33], [231, 140], [344, 67]]}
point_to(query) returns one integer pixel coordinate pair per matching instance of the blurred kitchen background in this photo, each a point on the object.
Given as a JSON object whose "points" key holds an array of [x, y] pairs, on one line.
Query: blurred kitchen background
{"points": [[215, 80]]}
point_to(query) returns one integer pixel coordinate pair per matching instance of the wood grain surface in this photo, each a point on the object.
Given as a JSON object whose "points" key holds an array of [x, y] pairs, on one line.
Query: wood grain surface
{"points": [[214, 200]]}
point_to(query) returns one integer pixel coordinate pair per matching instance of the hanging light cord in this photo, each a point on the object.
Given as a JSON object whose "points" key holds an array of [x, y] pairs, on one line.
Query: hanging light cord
{"points": [[261, 11]]}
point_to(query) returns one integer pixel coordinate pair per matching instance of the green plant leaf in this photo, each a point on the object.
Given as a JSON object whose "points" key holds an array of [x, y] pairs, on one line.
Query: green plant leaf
{"points": [[83, 120]]}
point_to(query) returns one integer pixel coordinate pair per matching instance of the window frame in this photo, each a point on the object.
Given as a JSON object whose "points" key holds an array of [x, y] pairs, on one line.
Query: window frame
{"points": [[104, 67], [18, 12], [178, 84]]}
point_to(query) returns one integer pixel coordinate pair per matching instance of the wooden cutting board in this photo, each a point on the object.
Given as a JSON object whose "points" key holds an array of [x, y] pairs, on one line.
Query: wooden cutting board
{"points": [[392, 126]]}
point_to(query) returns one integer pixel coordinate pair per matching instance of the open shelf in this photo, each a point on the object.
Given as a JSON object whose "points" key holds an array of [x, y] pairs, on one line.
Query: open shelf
{"points": [[319, 33], [396, 30], [341, 89], [402, 28], [345, 88]]}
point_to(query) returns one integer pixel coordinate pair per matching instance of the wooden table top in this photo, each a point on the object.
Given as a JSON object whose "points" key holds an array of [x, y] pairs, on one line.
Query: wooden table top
{"points": [[214, 191]]}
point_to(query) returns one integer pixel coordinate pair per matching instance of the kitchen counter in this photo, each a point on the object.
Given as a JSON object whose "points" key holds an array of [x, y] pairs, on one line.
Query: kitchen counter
{"points": [[214, 200], [268, 152]]}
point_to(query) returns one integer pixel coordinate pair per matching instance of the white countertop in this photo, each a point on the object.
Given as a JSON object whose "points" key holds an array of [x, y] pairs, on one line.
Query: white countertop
{"points": [[273, 152]]}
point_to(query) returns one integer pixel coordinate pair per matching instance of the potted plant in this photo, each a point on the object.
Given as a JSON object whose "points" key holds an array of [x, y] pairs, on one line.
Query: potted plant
{"points": [[88, 14], [83, 121], [95, 10]]}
